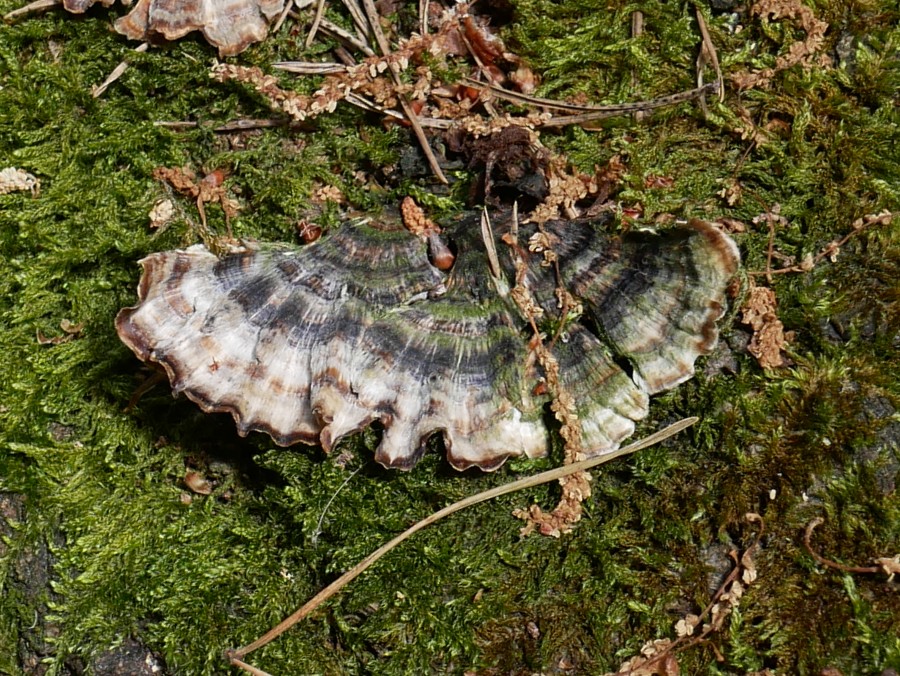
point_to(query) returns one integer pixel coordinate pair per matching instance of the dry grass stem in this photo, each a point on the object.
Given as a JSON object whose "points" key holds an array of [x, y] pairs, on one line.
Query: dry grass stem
{"points": [[37, 6], [117, 72], [236, 656]]}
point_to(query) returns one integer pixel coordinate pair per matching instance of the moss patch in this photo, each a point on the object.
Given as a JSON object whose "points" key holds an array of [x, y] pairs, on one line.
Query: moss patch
{"points": [[94, 497]]}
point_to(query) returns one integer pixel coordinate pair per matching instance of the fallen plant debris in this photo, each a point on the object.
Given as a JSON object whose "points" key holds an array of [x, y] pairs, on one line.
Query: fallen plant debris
{"points": [[162, 213], [208, 190], [829, 251], [406, 77], [889, 566], [760, 312], [236, 656], [197, 483], [98, 90], [658, 657], [515, 161], [576, 487], [12, 180], [308, 231], [70, 330], [323, 194], [760, 309], [799, 53]]}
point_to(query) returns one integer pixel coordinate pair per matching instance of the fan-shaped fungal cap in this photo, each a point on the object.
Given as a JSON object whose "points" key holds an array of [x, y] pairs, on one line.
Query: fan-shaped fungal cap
{"points": [[230, 25], [312, 343]]}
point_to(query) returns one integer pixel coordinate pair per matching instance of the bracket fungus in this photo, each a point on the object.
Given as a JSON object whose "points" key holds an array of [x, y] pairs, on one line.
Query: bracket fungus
{"points": [[230, 25], [312, 343]]}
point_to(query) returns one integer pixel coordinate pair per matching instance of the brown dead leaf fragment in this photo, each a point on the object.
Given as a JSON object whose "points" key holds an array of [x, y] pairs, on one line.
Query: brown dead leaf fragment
{"points": [[608, 179], [760, 313], [71, 331], [654, 182], [183, 179], [802, 52], [499, 65], [309, 232], [197, 482], [210, 189]]}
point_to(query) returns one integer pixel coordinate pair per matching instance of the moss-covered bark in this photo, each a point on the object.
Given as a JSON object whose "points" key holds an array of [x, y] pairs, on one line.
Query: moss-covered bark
{"points": [[100, 544]]}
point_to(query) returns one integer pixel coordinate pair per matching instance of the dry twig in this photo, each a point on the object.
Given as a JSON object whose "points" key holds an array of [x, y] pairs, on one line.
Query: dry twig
{"points": [[830, 250], [236, 656], [883, 564]]}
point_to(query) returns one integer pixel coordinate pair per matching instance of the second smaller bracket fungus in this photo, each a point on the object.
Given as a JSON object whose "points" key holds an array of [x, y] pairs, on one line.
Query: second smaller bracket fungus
{"points": [[229, 25], [309, 344]]}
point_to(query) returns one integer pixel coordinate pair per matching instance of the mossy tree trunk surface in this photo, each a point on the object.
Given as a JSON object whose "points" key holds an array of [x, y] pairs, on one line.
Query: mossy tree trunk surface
{"points": [[109, 560]]}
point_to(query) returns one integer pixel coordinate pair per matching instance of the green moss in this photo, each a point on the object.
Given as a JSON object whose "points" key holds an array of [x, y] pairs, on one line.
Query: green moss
{"points": [[129, 556]]}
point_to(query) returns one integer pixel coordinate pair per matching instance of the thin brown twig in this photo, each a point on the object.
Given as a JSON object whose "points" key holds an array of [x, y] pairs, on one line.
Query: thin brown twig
{"points": [[359, 19], [249, 124], [637, 29], [371, 106], [770, 248], [375, 23], [154, 379], [249, 668], [626, 108], [282, 17], [612, 108], [481, 69], [236, 656], [229, 127], [827, 250], [828, 563], [708, 55], [605, 112], [681, 643]]}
